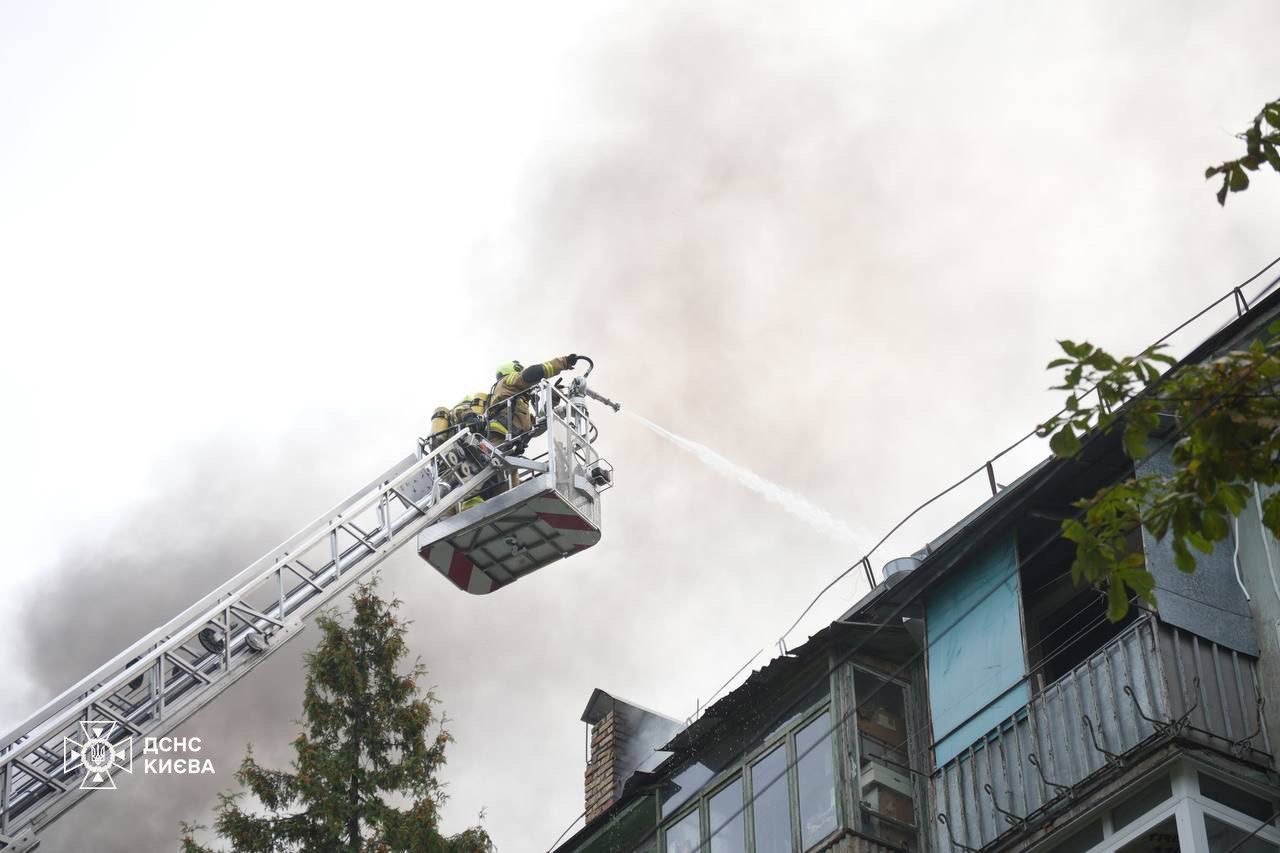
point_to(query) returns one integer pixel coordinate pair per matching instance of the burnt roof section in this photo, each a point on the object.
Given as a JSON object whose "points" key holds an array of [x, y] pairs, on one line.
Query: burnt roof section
{"points": [[892, 643], [873, 621]]}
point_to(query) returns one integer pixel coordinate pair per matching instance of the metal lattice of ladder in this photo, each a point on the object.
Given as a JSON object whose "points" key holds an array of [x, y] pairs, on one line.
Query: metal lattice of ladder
{"points": [[165, 677]]}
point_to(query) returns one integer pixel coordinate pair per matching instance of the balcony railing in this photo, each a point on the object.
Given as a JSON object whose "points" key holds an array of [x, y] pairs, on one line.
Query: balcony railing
{"points": [[1150, 684]]}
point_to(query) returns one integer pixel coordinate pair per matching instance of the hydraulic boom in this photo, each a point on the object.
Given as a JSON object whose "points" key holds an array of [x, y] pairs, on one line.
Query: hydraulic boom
{"points": [[542, 505]]}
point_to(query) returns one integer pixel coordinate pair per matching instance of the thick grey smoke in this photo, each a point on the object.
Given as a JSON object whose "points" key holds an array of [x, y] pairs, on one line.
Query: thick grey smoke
{"points": [[836, 247], [228, 504]]}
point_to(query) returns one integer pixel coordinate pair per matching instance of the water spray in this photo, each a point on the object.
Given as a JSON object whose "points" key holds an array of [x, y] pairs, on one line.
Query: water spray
{"points": [[796, 505]]}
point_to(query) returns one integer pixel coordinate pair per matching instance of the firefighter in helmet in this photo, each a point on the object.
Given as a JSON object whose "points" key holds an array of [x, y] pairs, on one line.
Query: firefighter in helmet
{"points": [[509, 413]]}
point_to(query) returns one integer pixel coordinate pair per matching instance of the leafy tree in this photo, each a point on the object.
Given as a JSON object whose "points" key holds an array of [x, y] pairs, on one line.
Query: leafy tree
{"points": [[1221, 419], [1262, 146], [366, 742]]}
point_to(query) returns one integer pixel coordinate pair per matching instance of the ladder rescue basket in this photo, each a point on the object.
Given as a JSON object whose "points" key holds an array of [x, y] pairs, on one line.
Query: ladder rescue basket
{"points": [[488, 546], [552, 511]]}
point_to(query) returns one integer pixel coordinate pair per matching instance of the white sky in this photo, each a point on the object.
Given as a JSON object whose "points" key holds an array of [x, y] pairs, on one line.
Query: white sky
{"points": [[246, 248]]}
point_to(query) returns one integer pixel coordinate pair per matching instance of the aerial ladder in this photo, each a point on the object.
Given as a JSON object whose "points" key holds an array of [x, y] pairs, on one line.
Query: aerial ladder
{"points": [[543, 504]]}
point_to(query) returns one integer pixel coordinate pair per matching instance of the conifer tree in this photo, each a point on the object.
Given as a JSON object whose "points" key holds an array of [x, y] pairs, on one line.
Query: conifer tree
{"points": [[367, 745]]}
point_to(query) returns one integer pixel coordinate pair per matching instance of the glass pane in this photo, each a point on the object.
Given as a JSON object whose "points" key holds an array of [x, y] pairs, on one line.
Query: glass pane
{"points": [[1151, 795], [1082, 839], [682, 836], [771, 806], [886, 785], [889, 832], [1242, 801], [816, 771], [882, 716], [684, 785], [1162, 838], [1224, 837], [728, 826]]}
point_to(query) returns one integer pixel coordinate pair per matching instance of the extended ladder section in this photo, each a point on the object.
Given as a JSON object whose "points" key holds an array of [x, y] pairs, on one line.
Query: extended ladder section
{"points": [[156, 683]]}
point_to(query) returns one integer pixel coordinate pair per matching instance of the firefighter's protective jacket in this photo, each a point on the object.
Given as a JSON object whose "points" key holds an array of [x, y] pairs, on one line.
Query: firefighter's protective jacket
{"points": [[517, 417]]}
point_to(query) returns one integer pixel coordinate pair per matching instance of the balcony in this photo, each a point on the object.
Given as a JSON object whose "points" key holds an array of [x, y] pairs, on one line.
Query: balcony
{"points": [[1151, 684]]}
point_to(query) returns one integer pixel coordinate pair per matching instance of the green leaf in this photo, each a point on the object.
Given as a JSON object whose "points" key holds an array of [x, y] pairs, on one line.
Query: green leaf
{"points": [[1252, 137], [1135, 442], [1199, 542], [1238, 179], [1064, 442], [1272, 114], [1232, 497], [1071, 348], [1210, 172], [1222, 193], [1139, 580], [1117, 601], [1182, 557], [1215, 526], [1059, 362], [1271, 513], [1273, 156]]}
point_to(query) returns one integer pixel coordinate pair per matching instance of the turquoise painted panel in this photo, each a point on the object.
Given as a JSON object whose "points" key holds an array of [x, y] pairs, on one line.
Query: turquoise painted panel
{"points": [[976, 663]]}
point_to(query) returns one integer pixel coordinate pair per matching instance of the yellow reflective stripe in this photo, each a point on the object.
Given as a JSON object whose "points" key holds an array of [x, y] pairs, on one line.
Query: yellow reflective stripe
{"points": [[549, 368], [494, 426]]}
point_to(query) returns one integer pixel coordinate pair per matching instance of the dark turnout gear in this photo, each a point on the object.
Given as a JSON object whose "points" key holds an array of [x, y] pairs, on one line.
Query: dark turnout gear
{"points": [[517, 417]]}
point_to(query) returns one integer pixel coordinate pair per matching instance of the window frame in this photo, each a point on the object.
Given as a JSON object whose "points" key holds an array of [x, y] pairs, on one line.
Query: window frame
{"points": [[1189, 807], [712, 792], [786, 738], [911, 745]]}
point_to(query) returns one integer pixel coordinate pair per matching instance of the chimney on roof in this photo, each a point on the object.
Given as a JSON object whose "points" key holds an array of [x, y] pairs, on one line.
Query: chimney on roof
{"points": [[624, 739]]}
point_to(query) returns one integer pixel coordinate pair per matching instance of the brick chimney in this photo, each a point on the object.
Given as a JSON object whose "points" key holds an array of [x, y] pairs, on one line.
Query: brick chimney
{"points": [[624, 739]]}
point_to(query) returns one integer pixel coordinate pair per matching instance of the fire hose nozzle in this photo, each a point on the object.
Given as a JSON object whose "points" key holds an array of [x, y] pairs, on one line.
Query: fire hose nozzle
{"points": [[617, 407]]}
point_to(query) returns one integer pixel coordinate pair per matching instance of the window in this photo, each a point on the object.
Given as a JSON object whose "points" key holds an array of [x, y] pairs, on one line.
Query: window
{"points": [[1151, 795], [684, 835], [1082, 839], [785, 789], [771, 807], [726, 820], [1215, 815], [887, 794], [816, 780], [1065, 623], [1229, 795], [683, 786], [1224, 837], [1161, 838]]}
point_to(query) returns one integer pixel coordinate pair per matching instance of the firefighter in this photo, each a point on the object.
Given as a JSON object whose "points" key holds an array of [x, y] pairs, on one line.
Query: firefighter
{"points": [[467, 414], [509, 413]]}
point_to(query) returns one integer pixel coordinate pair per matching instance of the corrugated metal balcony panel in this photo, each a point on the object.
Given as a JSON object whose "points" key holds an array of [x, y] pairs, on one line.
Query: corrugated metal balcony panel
{"points": [[1216, 684], [1159, 664]]}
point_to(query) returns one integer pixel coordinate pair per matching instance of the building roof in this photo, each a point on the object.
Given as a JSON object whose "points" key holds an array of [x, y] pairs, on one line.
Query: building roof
{"points": [[875, 623]]}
